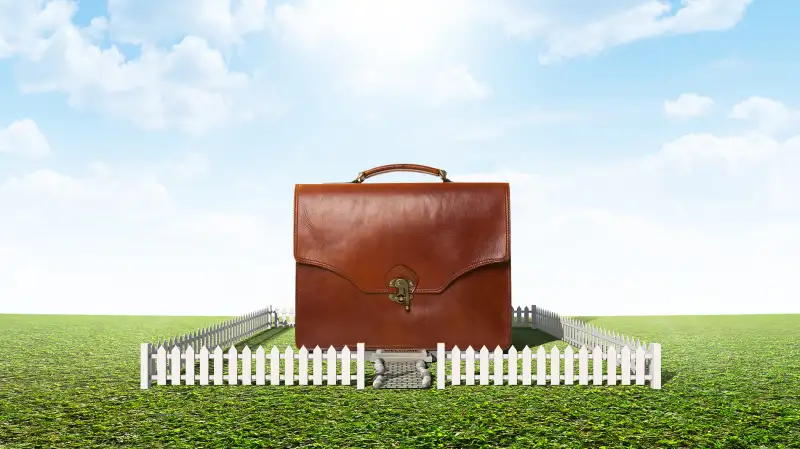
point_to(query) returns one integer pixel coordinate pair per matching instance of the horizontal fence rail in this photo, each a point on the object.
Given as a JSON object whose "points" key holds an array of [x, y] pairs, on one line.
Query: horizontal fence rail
{"points": [[276, 367], [528, 368]]}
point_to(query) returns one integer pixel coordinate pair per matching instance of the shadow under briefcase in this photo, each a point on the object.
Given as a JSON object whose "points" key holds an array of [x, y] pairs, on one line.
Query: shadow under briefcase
{"points": [[403, 265]]}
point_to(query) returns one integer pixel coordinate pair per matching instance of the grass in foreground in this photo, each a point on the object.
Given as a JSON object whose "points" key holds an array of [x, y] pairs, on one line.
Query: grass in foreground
{"points": [[72, 381]]}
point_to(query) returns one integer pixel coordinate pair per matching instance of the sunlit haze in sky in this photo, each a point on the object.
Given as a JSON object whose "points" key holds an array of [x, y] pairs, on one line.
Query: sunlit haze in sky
{"points": [[149, 149]]}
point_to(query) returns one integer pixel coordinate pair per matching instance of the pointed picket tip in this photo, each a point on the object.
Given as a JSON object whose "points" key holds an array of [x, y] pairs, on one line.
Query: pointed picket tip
{"points": [[345, 351], [161, 350], [204, 350], [498, 350], [527, 350], [246, 350], [512, 350], [232, 350], [303, 350], [261, 351], [470, 349], [317, 350], [583, 350], [218, 349], [455, 348], [331, 348], [569, 350], [176, 350], [554, 350], [484, 349], [540, 350]]}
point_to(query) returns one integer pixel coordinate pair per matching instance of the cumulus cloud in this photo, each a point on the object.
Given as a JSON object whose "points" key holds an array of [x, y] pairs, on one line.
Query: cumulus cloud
{"points": [[23, 137], [688, 105], [768, 114], [223, 22], [646, 19], [187, 86]]}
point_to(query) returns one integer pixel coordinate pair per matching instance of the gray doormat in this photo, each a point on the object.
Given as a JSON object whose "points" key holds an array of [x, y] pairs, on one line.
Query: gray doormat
{"points": [[401, 375]]}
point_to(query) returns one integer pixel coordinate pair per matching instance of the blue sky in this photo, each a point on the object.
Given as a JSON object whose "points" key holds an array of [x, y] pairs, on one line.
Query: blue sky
{"points": [[148, 153]]}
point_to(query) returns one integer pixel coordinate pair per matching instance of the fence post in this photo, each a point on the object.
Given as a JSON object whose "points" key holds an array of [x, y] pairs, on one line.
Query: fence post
{"points": [[360, 366], [655, 367], [146, 365], [441, 362], [533, 317]]}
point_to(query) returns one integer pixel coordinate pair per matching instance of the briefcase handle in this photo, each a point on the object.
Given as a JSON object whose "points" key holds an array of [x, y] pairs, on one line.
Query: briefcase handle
{"points": [[364, 175]]}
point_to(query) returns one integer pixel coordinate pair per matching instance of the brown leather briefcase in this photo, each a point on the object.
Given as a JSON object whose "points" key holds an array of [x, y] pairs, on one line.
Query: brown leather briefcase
{"points": [[403, 265]]}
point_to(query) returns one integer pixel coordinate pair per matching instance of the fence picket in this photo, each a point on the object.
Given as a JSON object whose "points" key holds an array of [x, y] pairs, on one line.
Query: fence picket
{"points": [[555, 366], [317, 362], [233, 366], [161, 366], [640, 366], [218, 366], [331, 366], [345, 366], [175, 360], [541, 366], [583, 366], [303, 368], [498, 366], [247, 366], [625, 365], [569, 361], [512, 366], [469, 367], [456, 366], [288, 360], [597, 365], [274, 366], [484, 371], [204, 366], [190, 361], [526, 366], [612, 365]]}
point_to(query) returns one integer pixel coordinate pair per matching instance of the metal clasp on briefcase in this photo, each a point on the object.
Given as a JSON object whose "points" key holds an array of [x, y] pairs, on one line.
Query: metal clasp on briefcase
{"points": [[404, 288]]}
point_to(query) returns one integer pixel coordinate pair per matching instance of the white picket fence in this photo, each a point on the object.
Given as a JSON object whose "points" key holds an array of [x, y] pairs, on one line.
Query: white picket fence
{"points": [[227, 332], [187, 367], [528, 368], [176, 362], [576, 333]]}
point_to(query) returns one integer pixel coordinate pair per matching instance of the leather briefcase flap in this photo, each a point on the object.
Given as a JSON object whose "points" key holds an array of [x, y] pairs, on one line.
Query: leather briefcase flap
{"points": [[431, 233]]}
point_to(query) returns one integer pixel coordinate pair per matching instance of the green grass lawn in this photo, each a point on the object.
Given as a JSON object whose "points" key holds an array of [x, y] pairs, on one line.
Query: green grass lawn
{"points": [[73, 381]]}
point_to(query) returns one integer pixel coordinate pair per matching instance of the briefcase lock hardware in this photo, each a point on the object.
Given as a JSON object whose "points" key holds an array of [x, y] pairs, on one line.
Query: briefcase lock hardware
{"points": [[404, 288]]}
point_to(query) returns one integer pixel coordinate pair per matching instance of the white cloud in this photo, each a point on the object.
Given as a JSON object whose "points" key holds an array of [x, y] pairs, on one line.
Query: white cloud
{"points": [[688, 105], [188, 86], [647, 19], [638, 237], [769, 115], [44, 188], [223, 22], [24, 138]]}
